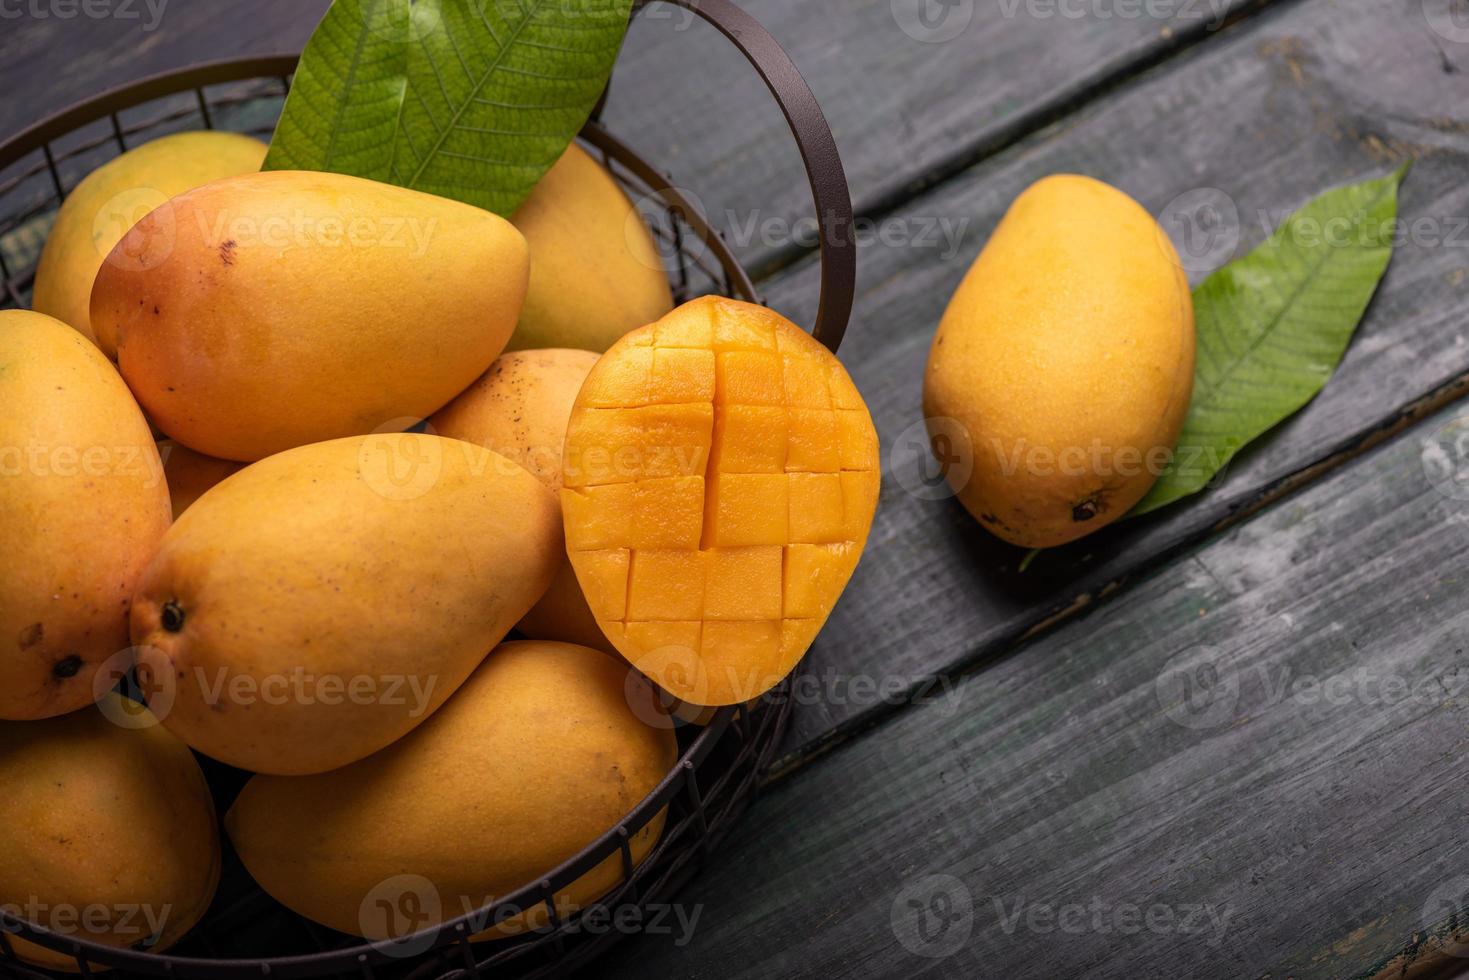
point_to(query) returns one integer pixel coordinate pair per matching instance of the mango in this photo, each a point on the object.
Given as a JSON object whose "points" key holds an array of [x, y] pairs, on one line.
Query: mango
{"points": [[520, 408], [83, 506], [1061, 372], [190, 474], [720, 478], [595, 272], [540, 753], [107, 831], [264, 312], [320, 604], [114, 197]]}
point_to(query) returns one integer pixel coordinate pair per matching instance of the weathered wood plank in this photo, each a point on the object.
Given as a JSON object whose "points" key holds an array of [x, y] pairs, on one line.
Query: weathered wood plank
{"points": [[909, 99], [905, 111], [1286, 105], [1270, 730], [49, 62]]}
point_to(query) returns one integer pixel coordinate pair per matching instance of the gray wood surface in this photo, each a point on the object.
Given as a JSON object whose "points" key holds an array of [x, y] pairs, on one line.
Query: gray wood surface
{"points": [[1272, 730], [1294, 101], [50, 62], [909, 105], [1054, 773]]}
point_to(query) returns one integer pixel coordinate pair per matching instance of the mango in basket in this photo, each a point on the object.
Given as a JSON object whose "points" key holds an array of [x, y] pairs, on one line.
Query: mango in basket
{"points": [[267, 311], [519, 408], [82, 508], [114, 197], [107, 831], [595, 272], [1063, 365], [721, 475], [320, 604], [539, 754]]}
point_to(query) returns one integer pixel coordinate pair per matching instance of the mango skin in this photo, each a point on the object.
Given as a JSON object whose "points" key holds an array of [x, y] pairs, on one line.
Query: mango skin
{"points": [[101, 209], [1066, 358], [190, 475], [595, 272], [98, 814], [268, 311], [520, 408], [538, 755], [83, 506], [401, 559]]}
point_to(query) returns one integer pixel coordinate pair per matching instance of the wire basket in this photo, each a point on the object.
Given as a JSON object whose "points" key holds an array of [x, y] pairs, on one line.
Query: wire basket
{"points": [[246, 933]]}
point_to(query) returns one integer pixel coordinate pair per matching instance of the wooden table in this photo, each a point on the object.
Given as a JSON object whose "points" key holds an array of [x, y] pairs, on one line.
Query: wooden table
{"points": [[1226, 740]]}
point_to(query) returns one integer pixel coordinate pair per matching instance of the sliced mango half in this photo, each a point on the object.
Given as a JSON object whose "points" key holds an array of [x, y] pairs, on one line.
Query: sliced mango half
{"points": [[720, 477]]}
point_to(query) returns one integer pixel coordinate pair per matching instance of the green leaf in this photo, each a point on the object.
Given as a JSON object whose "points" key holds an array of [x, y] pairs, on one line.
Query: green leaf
{"points": [[1273, 326], [468, 99], [496, 91], [342, 111]]}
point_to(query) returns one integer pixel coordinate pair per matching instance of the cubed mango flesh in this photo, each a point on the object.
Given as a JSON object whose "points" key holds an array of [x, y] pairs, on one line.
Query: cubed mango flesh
{"points": [[721, 476]]}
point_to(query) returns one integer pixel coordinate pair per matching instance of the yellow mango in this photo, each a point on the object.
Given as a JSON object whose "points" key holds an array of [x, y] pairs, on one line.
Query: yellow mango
{"points": [[114, 197], [519, 408], [595, 272], [268, 311], [1061, 372], [190, 474], [720, 478], [107, 831], [545, 748], [320, 604], [83, 506]]}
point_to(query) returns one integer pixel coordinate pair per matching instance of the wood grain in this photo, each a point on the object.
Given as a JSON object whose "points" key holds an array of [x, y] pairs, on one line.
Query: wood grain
{"points": [[1292, 102], [50, 62], [1271, 728], [907, 108]]}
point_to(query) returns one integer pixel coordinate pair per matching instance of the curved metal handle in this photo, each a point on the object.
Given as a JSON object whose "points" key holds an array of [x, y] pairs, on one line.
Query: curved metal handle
{"points": [[834, 221]]}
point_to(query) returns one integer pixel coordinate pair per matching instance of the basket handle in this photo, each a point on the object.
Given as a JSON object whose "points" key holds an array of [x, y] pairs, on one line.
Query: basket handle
{"points": [[834, 220]]}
